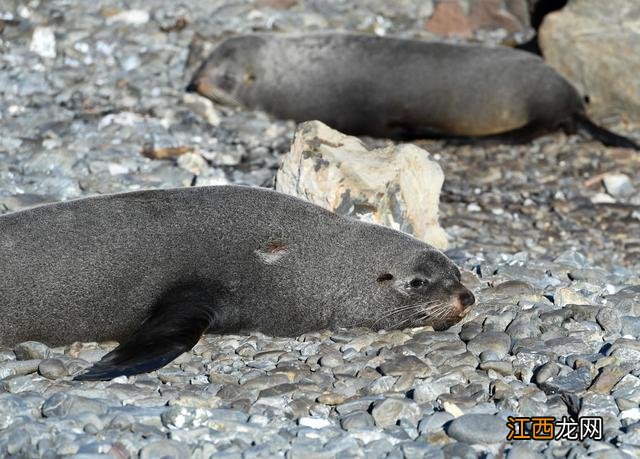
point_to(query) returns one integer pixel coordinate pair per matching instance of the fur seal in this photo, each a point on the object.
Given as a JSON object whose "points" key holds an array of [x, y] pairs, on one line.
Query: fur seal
{"points": [[397, 88], [156, 269]]}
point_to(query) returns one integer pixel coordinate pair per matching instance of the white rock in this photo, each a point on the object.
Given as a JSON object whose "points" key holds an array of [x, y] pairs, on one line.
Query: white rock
{"points": [[314, 423], [202, 107], [633, 414], [133, 17], [120, 118], [193, 163], [397, 185], [564, 296], [118, 169], [211, 177], [618, 185], [43, 42], [602, 198]]}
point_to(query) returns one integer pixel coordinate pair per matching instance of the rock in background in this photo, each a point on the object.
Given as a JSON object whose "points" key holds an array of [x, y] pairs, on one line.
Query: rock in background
{"points": [[478, 18], [397, 185], [596, 46]]}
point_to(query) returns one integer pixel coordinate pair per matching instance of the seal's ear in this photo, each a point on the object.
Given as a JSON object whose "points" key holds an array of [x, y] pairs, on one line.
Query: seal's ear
{"points": [[176, 324]]}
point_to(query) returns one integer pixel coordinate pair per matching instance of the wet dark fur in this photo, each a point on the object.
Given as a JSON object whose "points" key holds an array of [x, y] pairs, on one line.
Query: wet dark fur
{"points": [[156, 269], [390, 87]]}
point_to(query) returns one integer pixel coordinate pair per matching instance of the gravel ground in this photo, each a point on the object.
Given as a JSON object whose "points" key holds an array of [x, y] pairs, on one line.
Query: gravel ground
{"points": [[551, 253]]}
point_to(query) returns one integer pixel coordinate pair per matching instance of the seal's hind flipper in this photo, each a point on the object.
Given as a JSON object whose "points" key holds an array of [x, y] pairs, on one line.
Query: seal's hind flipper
{"points": [[608, 138], [181, 317]]}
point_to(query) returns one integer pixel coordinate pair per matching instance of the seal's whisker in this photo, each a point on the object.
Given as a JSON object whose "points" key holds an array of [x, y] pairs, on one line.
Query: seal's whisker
{"points": [[396, 311]]}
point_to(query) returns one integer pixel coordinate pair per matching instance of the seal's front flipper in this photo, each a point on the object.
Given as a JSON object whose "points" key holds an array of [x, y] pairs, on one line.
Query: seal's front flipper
{"points": [[176, 324]]}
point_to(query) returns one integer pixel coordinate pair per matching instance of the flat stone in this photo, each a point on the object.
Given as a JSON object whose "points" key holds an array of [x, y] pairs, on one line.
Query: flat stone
{"points": [[406, 365], [609, 320], [357, 420], [52, 369], [389, 411], [608, 377], [478, 428], [31, 350], [165, 449], [498, 342], [62, 404], [574, 382]]}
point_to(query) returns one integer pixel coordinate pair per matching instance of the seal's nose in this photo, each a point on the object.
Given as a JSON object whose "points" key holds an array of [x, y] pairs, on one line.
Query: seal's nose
{"points": [[467, 299], [193, 86]]}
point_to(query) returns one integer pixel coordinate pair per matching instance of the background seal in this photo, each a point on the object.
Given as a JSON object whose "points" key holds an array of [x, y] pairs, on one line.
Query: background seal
{"points": [[397, 88]]}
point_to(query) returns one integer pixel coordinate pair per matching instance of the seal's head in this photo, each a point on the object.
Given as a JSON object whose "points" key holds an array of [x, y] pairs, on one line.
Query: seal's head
{"points": [[229, 72], [421, 289]]}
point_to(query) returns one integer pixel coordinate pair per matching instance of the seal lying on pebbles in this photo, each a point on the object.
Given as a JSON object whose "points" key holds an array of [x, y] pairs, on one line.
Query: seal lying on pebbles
{"points": [[156, 269], [390, 87]]}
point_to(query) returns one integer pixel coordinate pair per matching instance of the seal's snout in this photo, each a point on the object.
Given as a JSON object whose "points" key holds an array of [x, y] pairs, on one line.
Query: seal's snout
{"points": [[193, 87], [463, 302], [467, 299]]}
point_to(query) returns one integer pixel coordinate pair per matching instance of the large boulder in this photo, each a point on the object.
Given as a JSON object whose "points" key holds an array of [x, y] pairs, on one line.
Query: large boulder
{"points": [[595, 44], [396, 185]]}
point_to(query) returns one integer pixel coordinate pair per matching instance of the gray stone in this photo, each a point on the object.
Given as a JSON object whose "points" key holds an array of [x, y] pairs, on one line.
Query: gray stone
{"points": [[630, 326], [498, 342], [331, 360], [574, 382], [168, 449], [434, 422], [389, 411], [523, 452], [357, 420], [381, 385], [459, 451], [406, 364], [478, 428], [18, 367], [31, 350], [62, 404], [52, 369], [609, 320]]}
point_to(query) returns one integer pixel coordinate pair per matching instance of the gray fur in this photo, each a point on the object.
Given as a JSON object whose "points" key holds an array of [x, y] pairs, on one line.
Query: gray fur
{"points": [[391, 87], [93, 269], [367, 84]]}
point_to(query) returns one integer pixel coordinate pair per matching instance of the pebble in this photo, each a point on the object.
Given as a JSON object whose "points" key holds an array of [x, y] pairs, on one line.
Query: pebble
{"points": [[52, 369], [618, 185], [331, 360], [165, 449], [565, 296], [406, 365], [390, 410], [314, 423], [555, 276], [575, 381], [497, 342], [31, 350], [478, 428], [17, 367], [357, 420]]}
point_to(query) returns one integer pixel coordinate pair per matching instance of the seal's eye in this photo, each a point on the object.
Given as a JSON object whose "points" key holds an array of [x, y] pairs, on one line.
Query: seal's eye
{"points": [[417, 282], [384, 277]]}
